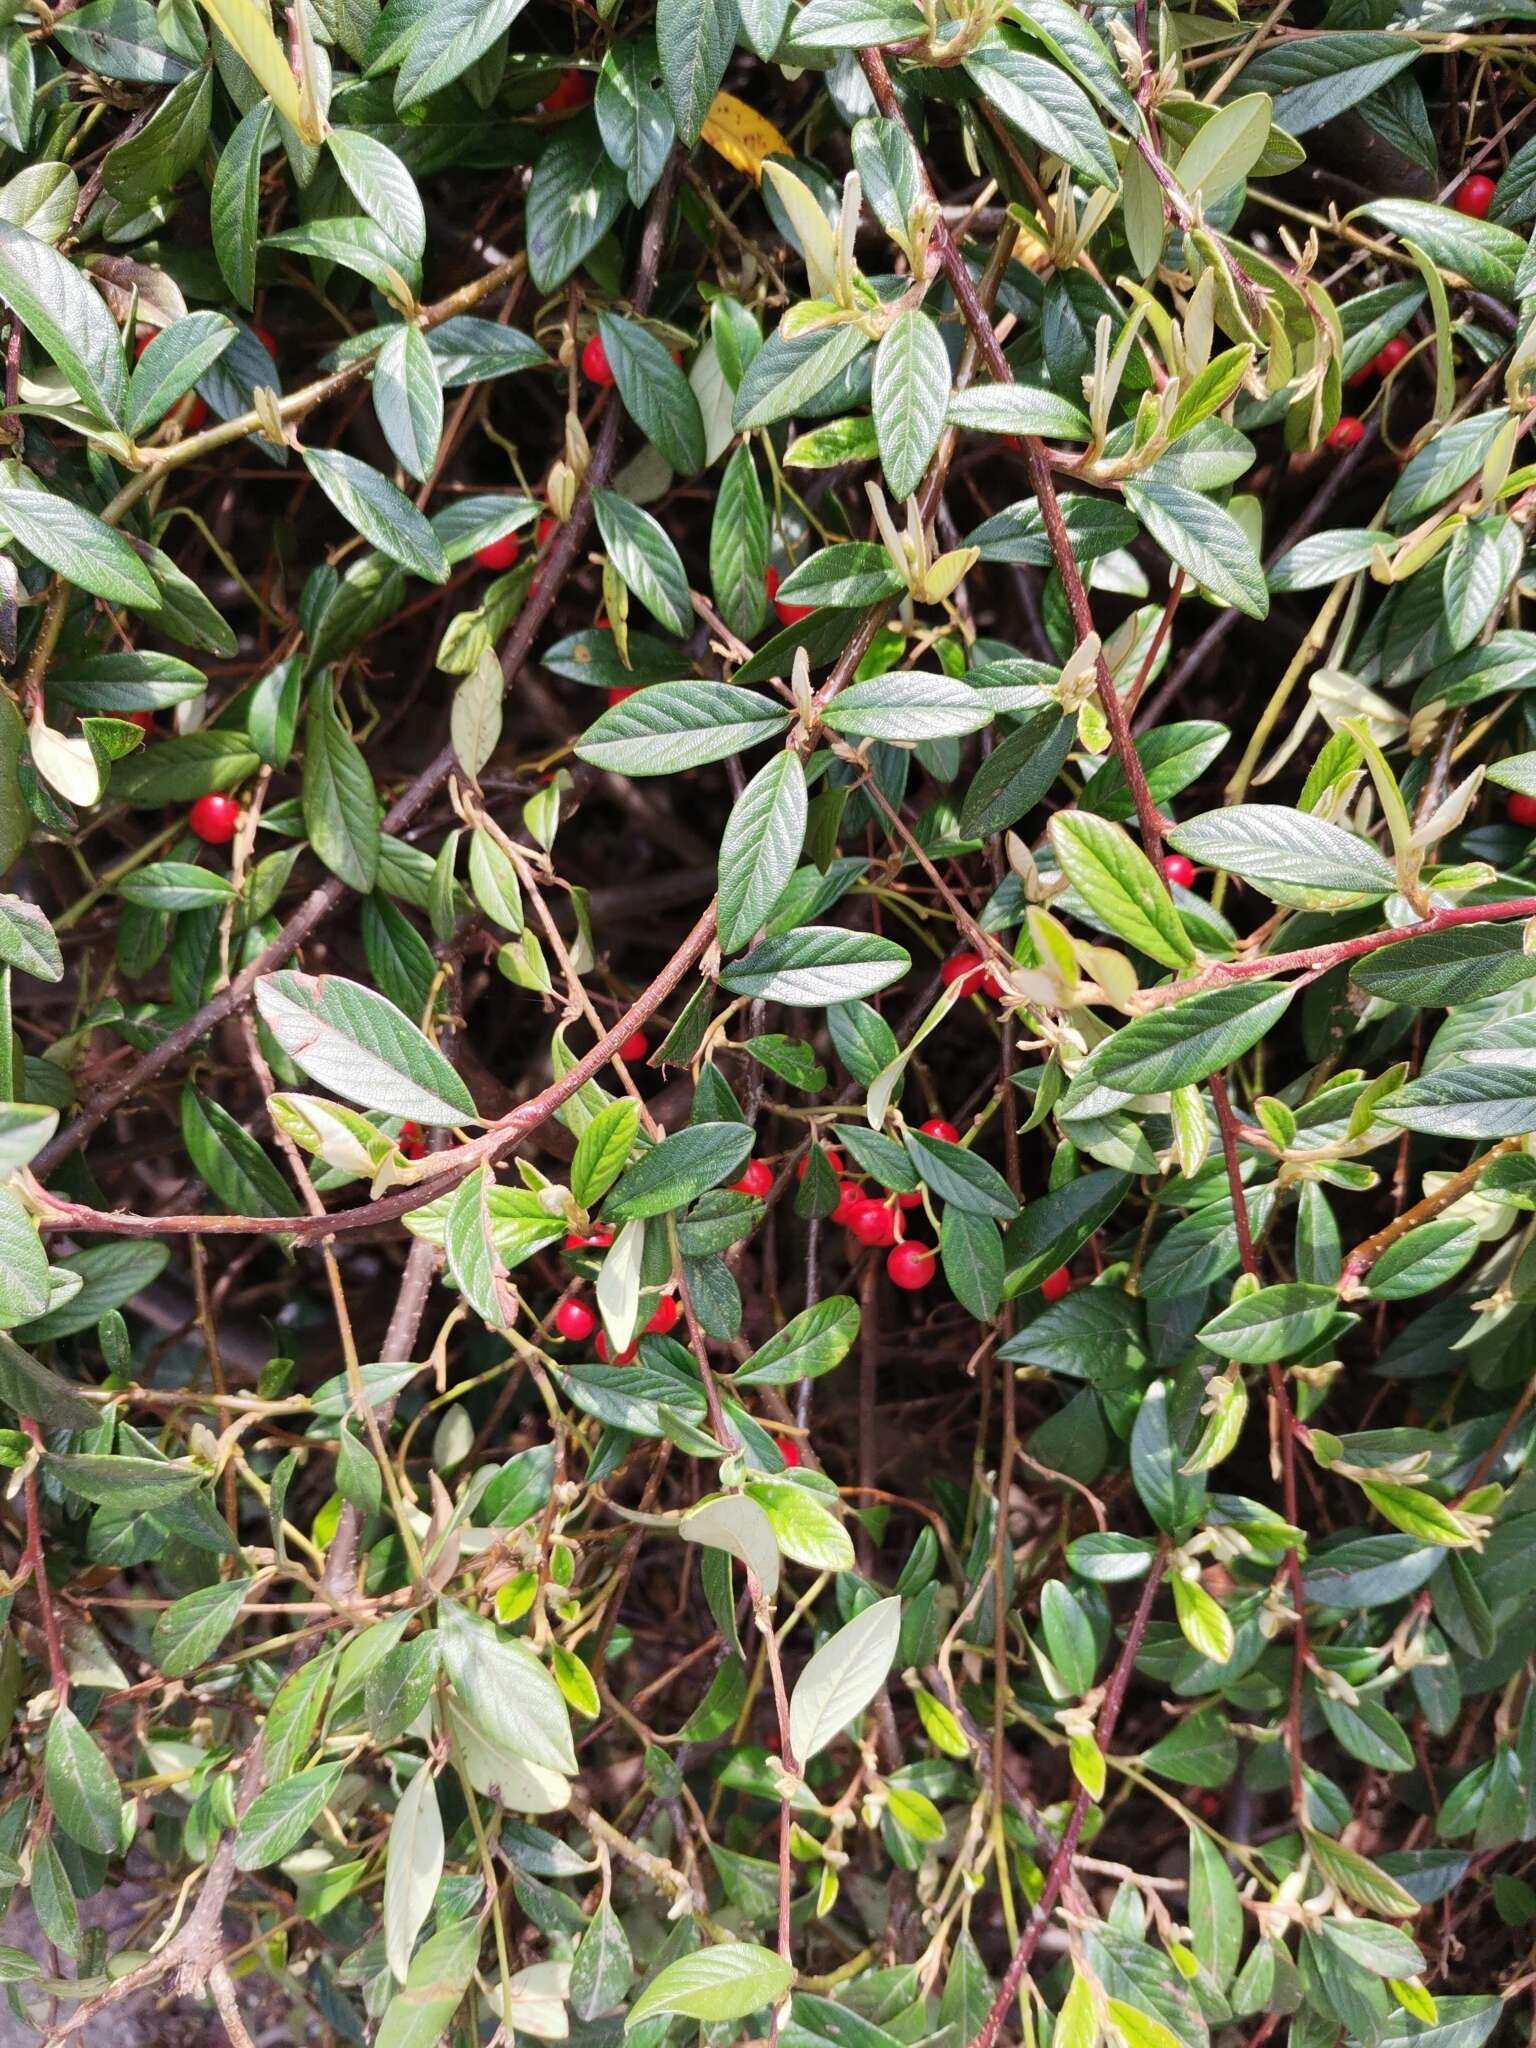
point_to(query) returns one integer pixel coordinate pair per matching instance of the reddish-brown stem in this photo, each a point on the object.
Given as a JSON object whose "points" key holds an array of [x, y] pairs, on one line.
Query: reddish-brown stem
{"points": [[1060, 1867], [58, 1671]]}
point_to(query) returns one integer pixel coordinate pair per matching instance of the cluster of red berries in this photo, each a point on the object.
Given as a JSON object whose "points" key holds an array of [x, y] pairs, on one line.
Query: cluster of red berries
{"points": [[576, 1322]]}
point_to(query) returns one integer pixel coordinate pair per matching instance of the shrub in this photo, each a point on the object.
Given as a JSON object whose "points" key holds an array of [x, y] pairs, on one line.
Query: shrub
{"points": [[768, 1048]]}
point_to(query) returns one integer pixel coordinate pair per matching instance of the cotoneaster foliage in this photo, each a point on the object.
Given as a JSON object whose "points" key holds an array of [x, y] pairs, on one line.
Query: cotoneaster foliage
{"points": [[768, 1232]]}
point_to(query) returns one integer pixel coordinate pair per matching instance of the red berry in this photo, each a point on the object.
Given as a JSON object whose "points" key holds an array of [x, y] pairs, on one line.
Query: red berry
{"points": [[144, 720], [830, 1153], [788, 1450], [601, 1239], [1177, 869], [1522, 811], [544, 529], [913, 1199], [624, 1357], [498, 554], [264, 336], [664, 1317], [635, 1047], [973, 974], [575, 1320], [756, 1180], [936, 1127], [410, 1140], [191, 412], [1389, 355], [1473, 196], [1056, 1284], [849, 1196], [1349, 433], [620, 691], [594, 362], [573, 91], [786, 614], [1361, 376], [872, 1222], [911, 1266], [214, 818]]}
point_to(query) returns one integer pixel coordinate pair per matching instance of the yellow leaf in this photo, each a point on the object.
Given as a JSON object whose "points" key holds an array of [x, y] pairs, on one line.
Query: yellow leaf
{"points": [[741, 135], [247, 26]]}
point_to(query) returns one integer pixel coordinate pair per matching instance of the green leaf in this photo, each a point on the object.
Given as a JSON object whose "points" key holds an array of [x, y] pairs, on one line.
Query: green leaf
{"points": [[971, 1253], [1017, 773], [149, 164], [738, 546], [809, 1344], [172, 364], [602, 1969], [471, 351], [575, 197], [278, 1819], [384, 517], [656, 394], [1225, 149], [341, 810], [910, 394], [672, 726], [1448, 968], [110, 1274], [1486, 255], [230, 1160], [357, 1044], [1276, 1322], [412, 1870], [816, 966], [641, 550], [82, 1788], [1119, 885], [1169, 1048], [633, 118], [1291, 856], [727, 1982], [907, 708], [504, 1690], [694, 40], [418, 2015], [67, 319], [53, 1898], [191, 1629], [788, 373], [181, 770], [602, 1151], [1204, 540], [235, 200], [76, 545], [24, 1275], [1042, 102], [760, 848], [842, 1677], [380, 182], [680, 1168], [408, 399], [958, 1176], [1017, 409], [1316, 78]]}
